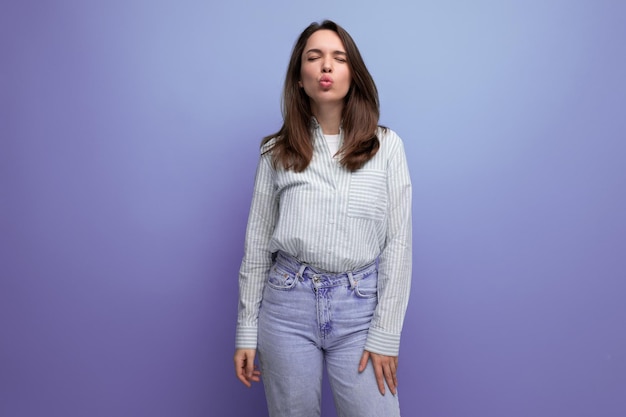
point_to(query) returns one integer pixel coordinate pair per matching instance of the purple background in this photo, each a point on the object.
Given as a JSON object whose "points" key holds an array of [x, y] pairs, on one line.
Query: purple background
{"points": [[129, 137]]}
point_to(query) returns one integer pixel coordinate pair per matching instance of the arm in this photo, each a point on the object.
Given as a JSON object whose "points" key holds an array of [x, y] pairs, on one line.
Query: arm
{"points": [[255, 265], [394, 275]]}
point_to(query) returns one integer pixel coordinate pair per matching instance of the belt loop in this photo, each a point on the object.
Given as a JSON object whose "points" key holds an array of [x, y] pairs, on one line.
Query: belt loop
{"points": [[301, 270], [352, 280]]}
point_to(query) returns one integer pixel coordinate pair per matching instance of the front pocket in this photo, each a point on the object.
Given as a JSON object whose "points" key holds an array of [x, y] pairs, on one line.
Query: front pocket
{"points": [[280, 279], [368, 194], [367, 287]]}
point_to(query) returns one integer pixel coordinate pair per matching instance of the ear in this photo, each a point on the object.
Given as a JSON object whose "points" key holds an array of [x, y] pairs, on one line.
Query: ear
{"points": [[300, 84]]}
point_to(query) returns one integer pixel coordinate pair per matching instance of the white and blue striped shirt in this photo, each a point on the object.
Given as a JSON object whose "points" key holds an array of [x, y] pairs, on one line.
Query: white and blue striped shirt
{"points": [[335, 220]]}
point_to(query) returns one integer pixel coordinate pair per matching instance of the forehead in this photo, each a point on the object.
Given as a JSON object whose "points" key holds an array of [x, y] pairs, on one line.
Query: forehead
{"points": [[324, 39]]}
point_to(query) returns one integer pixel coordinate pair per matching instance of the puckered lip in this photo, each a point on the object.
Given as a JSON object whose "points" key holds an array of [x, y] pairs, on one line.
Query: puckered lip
{"points": [[326, 79]]}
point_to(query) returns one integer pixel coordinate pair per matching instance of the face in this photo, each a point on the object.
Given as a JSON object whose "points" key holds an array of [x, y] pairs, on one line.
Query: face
{"points": [[325, 74]]}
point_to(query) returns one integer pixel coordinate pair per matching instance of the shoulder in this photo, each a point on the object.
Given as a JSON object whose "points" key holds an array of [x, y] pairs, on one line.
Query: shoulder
{"points": [[267, 145], [390, 141]]}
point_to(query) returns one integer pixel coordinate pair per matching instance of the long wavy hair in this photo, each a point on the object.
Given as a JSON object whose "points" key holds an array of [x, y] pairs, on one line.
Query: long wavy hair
{"points": [[292, 147]]}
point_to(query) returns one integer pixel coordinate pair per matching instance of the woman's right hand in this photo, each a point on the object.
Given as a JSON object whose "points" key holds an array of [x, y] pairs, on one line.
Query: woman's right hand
{"points": [[245, 369]]}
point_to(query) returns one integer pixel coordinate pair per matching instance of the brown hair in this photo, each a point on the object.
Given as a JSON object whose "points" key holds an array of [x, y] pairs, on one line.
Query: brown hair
{"points": [[292, 147]]}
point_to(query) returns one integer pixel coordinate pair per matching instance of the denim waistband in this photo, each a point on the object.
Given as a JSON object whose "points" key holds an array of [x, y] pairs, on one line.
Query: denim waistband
{"points": [[294, 264]]}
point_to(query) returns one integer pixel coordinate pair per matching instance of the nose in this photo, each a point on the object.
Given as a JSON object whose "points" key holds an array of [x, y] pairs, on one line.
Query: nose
{"points": [[326, 66]]}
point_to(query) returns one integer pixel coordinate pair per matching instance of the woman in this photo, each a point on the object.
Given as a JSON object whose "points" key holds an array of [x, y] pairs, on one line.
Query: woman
{"points": [[326, 271]]}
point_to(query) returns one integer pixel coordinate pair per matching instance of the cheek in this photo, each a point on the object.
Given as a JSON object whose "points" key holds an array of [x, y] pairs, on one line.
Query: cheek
{"points": [[306, 74], [346, 75], [348, 80]]}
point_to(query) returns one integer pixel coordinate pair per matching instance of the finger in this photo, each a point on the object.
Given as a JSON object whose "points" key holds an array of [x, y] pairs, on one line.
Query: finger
{"points": [[378, 372], [364, 358], [389, 377], [256, 374], [249, 364], [394, 370], [239, 371], [244, 380]]}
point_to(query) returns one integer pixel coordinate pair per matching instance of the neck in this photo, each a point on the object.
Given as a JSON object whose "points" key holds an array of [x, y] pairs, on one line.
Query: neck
{"points": [[329, 117]]}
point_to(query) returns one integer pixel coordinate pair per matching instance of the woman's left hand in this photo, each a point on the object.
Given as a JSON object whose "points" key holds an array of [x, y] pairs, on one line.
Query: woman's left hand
{"points": [[385, 368]]}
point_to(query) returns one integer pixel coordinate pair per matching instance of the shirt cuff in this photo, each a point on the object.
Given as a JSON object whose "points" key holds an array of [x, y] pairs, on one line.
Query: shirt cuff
{"points": [[383, 343], [246, 337]]}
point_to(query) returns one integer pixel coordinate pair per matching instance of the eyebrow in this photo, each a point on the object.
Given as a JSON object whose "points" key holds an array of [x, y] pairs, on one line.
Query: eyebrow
{"points": [[319, 51]]}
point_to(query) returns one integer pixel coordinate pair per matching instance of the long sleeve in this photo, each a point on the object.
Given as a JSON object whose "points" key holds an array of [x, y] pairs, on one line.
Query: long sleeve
{"points": [[257, 257], [335, 220], [395, 261]]}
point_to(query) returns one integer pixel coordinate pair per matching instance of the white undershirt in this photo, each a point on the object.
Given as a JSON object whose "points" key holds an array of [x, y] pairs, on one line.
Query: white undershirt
{"points": [[333, 143]]}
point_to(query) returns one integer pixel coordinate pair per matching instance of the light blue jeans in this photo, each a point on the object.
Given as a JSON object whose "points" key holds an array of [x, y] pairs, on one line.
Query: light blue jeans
{"points": [[309, 318]]}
